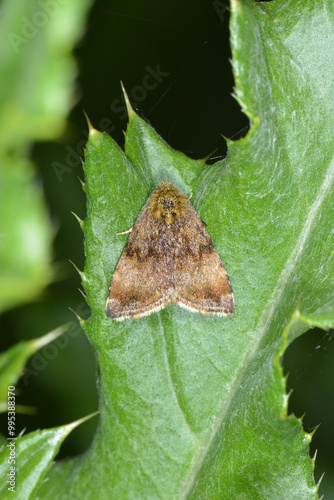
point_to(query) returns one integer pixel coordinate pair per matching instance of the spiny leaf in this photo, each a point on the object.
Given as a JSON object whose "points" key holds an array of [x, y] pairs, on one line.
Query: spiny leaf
{"points": [[193, 406], [25, 461], [13, 360]]}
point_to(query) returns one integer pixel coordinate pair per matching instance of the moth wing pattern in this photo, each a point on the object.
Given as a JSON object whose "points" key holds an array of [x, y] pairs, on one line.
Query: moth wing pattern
{"points": [[201, 281], [169, 258], [142, 282]]}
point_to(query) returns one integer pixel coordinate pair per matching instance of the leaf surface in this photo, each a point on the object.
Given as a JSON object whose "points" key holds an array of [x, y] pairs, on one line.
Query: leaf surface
{"points": [[37, 77], [23, 463], [194, 406]]}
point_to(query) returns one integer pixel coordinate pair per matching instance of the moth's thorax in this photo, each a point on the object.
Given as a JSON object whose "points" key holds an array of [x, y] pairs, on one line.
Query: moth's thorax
{"points": [[167, 204]]}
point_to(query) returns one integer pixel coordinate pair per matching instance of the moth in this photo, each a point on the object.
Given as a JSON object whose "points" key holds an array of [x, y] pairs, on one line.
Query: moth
{"points": [[169, 258]]}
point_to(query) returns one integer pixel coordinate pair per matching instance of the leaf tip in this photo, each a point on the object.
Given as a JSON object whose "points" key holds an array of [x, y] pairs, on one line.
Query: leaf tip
{"points": [[83, 293], [207, 157], [84, 419], [76, 314], [227, 140], [91, 129], [314, 457], [311, 434], [127, 102], [81, 222], [318, 485], [83, 184], [50, 337], [81, 273]]}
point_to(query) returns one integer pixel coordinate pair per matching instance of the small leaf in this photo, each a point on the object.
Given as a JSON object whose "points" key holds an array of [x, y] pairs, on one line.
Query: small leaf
{"points": [[195, 407], [28, 459], [12, 361]]}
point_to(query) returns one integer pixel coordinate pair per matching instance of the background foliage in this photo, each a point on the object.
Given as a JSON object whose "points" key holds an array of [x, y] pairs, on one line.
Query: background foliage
{"points": [[189, 117]]}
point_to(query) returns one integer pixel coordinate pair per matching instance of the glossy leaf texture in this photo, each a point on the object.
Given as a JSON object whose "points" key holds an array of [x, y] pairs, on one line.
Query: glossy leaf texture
{"points": [[192, 406], [24, 463]]}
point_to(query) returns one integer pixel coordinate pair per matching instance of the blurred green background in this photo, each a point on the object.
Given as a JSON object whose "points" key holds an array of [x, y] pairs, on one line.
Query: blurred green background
{"points": [[173, 59]]}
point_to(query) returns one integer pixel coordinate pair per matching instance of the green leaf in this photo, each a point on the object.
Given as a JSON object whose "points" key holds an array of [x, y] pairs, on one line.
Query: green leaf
{"points": [[37, 76], [37, 68], [14, 359], [194, 406], [25, 235], [24, 462], [300, 323]]}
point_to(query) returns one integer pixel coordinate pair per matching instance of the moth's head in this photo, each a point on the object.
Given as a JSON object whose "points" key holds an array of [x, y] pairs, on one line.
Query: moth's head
{"points": [[168, 203]]}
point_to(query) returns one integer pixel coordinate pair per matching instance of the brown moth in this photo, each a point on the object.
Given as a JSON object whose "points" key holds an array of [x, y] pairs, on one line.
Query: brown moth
{"points": [[169, 259]]}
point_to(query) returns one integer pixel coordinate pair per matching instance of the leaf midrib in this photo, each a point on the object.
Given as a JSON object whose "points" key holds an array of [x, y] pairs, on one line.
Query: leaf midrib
{"points": [[263, 324]]}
